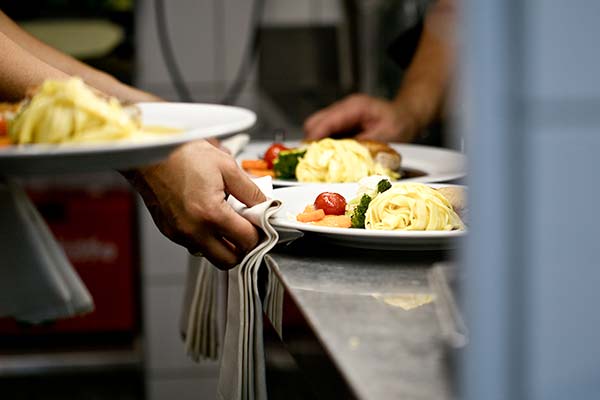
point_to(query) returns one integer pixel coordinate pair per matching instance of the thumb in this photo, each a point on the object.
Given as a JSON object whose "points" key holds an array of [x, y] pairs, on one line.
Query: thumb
{"points": [[239, 185]]}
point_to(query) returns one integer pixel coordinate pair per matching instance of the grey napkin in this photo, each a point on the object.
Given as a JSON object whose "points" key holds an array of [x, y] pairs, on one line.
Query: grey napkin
{"points": [[37, 281], [274, 296], [210, 293], [206, 292], [242, 370]]}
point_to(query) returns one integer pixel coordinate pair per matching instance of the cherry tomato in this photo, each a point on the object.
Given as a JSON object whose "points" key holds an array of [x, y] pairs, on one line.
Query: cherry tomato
{"points": [[272, 153], [331, 203], [3, 127]]}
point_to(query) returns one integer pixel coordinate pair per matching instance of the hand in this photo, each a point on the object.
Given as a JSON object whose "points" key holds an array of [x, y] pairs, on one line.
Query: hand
{"points": [[372, 118], [186, 196]]}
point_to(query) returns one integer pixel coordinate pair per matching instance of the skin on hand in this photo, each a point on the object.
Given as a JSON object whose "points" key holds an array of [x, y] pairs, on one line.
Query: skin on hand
{"points": [[419, 99], [186, 195], [371, 117]]}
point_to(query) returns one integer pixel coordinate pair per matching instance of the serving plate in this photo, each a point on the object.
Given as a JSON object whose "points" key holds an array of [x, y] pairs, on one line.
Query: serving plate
{"points": [[294, 200], [197, 121], [420, 163]]}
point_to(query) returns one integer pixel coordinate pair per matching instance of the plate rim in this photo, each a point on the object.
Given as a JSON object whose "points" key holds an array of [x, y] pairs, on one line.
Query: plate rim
{"points": [[36, 150], [51, 159], [438, 236]]}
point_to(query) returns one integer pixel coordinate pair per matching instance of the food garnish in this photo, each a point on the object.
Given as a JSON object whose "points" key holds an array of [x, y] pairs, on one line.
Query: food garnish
{"points": [[310, 214], [331, 160], [328, 209], [331, 203], [272, 153], [384, 206], [4, 139], [286, 162], [383, 185], [358, 215]]}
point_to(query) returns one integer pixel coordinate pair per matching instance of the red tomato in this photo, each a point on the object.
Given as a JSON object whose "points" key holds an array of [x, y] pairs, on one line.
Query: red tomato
{"points": [[331, 203], [3, 127], [272, 153]]}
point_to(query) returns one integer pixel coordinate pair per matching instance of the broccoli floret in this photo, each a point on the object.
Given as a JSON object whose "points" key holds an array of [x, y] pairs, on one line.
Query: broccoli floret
{"points": [[383, 185], [285, 164], [358, 216]]}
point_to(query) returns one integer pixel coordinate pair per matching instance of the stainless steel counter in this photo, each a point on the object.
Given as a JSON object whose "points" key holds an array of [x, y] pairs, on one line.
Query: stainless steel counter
{"points": [[372, 313]]}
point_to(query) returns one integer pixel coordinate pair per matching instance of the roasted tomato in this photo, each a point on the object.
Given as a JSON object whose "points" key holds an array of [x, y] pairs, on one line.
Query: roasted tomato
{"points": [[3, 127], [272, 153], [331, 203]]}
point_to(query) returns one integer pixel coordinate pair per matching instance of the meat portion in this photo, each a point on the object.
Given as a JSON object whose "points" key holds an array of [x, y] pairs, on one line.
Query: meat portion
{"points": [[383, 154]]}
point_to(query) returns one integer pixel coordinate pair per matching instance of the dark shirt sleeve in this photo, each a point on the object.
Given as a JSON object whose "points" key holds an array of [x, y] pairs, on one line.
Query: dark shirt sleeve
{"points": [[403, 48]]}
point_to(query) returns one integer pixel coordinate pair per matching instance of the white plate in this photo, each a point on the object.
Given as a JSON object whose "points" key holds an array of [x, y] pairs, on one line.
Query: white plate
{"points": [[438, 164], [294, 199], [196, 120]]}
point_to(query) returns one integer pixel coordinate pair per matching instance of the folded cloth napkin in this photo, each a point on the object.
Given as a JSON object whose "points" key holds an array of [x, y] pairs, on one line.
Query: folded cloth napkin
{"points": [[206, 288], [37, 281], [274, 296], [242, 372]]}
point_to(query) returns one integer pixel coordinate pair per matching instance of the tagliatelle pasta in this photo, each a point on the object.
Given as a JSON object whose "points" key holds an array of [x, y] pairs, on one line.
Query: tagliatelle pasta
{"points": [[69, 111], [413, 207], [344, 160]]}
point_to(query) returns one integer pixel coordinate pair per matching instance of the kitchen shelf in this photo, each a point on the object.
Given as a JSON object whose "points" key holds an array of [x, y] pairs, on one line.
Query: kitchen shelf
{"points": [[65, 360]]}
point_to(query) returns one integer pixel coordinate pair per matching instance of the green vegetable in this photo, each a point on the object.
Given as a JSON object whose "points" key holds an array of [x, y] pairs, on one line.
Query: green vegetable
{"points": [[358, 216], [285, 164], [383, 185]]}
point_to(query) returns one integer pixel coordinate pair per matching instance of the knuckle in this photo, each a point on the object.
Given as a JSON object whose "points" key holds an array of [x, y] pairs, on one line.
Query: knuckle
{"points": [[196, 214], [228, 163]]}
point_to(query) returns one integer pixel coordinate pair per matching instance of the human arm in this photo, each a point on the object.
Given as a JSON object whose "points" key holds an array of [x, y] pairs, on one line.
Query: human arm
{"points": [[185, 193], [20, 70], [186, 196], [27, 62], [418, 100]]}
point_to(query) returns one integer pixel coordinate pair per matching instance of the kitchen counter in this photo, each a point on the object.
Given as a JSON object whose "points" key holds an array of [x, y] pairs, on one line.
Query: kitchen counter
{"points": [[373, 316]]}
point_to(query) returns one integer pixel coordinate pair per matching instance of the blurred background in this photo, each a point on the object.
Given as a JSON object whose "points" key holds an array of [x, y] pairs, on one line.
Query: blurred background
{"points": [[528, 101], [284, 59]]}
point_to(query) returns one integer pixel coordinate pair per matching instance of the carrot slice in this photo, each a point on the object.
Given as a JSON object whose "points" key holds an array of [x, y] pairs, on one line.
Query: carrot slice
{"points": [[311, 216], [254, 164], [309, 208], [5, 141], [338, 221], [261, 172]]}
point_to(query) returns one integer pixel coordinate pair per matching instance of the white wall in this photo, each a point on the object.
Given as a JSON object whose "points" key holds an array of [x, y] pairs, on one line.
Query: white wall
{"points": [[209, 37]]}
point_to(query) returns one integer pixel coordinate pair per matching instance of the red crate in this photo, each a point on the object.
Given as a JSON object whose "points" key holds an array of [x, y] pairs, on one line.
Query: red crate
{"points": [[98, 232]]}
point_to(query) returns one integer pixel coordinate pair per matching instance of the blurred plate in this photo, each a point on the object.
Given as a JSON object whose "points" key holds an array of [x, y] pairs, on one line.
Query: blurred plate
{"points": [[197, 121], [295, 199], [419, 163]]}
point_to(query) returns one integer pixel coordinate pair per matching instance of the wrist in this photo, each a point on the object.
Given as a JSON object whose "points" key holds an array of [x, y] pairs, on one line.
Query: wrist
{"points": [[138, 179], [417, 104]]}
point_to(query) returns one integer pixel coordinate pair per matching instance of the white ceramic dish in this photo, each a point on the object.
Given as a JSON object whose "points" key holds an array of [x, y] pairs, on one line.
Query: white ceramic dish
{"points": [[196, 120], [294, 199], [437, 164]]}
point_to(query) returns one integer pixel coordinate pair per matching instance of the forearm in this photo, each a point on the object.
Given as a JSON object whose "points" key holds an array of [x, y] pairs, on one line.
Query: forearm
{"points": [[426, 81], [68, 65], [21, 71]]}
